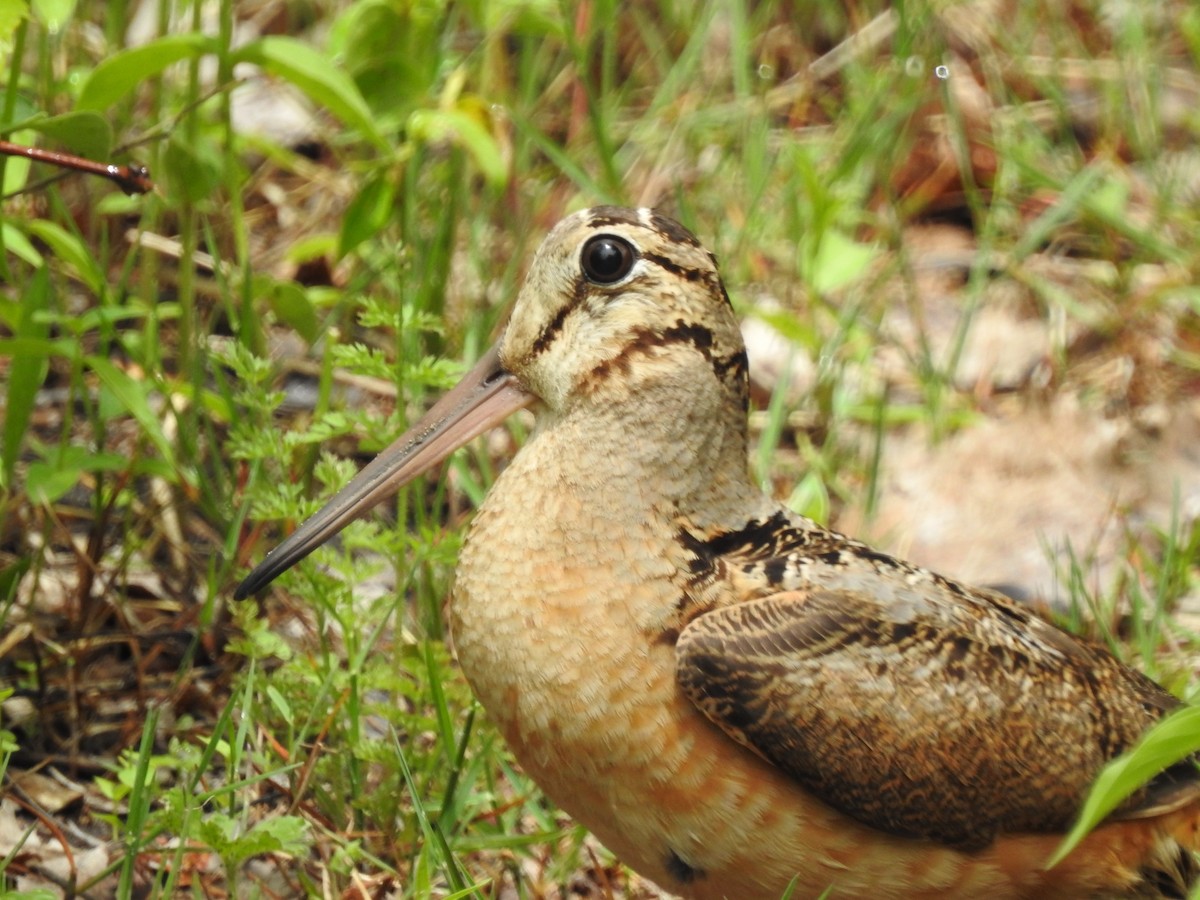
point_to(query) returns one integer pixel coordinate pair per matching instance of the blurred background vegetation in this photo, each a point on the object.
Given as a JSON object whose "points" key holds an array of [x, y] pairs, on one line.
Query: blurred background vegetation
{"points": [[345, 197]]}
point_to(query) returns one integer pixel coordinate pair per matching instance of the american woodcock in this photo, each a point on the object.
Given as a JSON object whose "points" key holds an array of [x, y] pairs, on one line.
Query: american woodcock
{"points": [[727, 694]]}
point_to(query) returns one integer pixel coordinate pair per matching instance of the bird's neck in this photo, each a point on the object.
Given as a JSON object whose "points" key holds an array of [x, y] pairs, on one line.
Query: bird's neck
{"points": [[677, 444]]}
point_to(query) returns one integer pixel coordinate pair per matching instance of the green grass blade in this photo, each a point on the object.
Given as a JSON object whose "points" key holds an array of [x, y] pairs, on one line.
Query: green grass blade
{"points": [[26, 373], [1171, 740], [132, 395]]}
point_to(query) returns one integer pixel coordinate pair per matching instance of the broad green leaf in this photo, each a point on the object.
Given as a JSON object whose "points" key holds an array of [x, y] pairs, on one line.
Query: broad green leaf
{"points": [[367, 213], [72, 251], [116, 76], [316, 75], [1170, 741], [86, 132], [391, 50], [27, 371]]}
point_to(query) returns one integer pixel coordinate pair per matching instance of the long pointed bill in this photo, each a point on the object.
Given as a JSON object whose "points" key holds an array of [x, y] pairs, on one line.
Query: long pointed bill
{"points": [[485, 397]]}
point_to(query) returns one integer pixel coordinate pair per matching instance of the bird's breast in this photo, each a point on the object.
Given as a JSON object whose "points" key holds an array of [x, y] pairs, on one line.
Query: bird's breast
{"points": [[551, 606], [555, 615], [558, 617]]}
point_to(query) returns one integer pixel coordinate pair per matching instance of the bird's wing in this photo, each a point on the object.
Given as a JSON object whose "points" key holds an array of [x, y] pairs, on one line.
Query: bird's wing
{"points": [[940, 713]]}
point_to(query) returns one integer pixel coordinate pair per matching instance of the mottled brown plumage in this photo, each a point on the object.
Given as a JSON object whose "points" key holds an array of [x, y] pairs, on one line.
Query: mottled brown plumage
{"points": [[729, 695], [881, 714]]}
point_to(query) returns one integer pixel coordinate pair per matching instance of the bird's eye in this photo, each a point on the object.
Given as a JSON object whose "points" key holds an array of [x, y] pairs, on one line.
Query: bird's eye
{"points": [[606, 259]]}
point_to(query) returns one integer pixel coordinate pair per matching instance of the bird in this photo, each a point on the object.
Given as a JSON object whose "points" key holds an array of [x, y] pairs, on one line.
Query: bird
{"points": [[736, 700]]}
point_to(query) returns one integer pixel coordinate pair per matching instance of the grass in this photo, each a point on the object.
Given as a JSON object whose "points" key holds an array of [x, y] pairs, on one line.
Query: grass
{"points": [[216, 356]]}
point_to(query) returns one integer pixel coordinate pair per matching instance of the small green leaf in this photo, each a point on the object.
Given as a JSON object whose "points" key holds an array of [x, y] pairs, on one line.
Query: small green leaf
{"points": [[312, 247], [72, 251], [12, 13], [120, 73], [316, 75], [47, 482], [218, 831], [85, 132], [191, 170], [53, 14], [280, 703], [810, 498], [33, 894], [838, 261], [118, 204], [290, 303], [19, 245], [367, 213], [1109, 200], [284, 834], [1173, 739]]}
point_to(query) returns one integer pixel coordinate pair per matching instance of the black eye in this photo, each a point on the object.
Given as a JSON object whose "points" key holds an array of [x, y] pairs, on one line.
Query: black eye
{"points": [[606, 259]]}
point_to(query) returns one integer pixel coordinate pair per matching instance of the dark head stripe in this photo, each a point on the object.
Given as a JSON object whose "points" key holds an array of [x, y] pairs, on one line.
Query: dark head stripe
{"points": [[644, 341], [672, 229], [675, 268], [543, 341], [608, 216]]}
